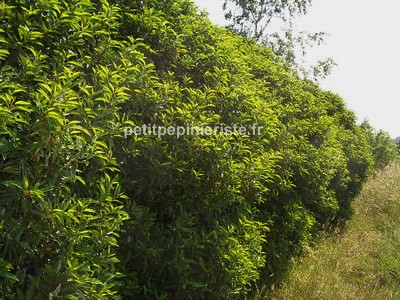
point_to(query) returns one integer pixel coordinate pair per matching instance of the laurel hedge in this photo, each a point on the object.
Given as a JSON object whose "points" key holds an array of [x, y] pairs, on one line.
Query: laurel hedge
{"points": [[89, 212]]}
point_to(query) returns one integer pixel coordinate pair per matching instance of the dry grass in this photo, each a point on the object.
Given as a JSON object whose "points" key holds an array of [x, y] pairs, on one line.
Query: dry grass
{"points": [[363, 261]]}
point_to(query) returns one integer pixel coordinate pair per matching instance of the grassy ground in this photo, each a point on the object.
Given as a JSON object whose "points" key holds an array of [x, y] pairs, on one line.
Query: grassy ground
{"points": [[361, 262]]}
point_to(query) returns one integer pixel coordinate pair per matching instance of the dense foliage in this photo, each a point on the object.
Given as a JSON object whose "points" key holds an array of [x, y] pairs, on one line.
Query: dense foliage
{"points": [[90, 213], [384, 149]]}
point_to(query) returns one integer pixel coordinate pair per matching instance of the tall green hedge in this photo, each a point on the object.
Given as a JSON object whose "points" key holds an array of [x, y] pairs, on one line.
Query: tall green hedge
{"points": [[89, 212], [384, 149]]}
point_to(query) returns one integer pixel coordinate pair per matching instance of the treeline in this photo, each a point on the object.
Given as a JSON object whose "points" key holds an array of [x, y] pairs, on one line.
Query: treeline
{"points": [[86, 213]]}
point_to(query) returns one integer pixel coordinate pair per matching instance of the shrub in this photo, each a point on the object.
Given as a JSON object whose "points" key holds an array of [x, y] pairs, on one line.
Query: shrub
{"points": [[384, 149], [89, 214]]}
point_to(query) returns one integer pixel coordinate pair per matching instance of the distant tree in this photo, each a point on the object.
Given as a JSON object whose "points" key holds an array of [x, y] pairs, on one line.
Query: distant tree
{"points": [[251, 17], [384, 149], [257, 18]]}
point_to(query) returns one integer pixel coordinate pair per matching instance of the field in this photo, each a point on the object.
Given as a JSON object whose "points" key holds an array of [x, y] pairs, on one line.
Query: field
{"points": [[362, 261]]}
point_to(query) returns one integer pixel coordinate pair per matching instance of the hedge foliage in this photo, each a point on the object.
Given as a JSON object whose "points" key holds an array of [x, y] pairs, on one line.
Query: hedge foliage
{"points": [[89, 214], [384, 150]]}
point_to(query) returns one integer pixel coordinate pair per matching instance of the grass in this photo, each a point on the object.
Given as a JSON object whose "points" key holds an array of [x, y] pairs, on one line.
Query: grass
{"points": [[363, 260]]}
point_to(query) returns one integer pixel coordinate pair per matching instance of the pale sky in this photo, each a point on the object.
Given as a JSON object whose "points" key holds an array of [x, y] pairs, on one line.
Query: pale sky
{"points": [[365, 43]]}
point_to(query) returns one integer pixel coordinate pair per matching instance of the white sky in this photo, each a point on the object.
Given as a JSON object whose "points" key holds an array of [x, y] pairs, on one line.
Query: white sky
{"points": [[365, 43]]}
